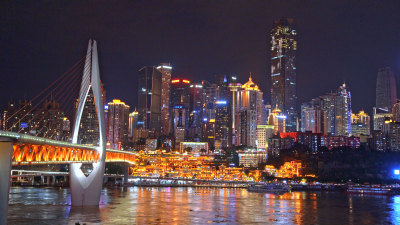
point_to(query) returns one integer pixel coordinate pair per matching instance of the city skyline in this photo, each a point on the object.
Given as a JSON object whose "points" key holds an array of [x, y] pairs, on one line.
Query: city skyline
{"points": [[199, 112], [355, 62]]}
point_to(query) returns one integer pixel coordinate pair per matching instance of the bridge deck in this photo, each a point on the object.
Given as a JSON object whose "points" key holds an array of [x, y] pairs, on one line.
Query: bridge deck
{"points": [[31, 150]]}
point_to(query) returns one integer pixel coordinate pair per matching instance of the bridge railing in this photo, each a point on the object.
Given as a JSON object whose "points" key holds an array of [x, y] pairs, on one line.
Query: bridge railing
{"points": [[25, 138]]}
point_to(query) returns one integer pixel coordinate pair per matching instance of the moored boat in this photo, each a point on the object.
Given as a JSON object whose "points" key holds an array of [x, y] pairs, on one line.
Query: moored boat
{"points": [[269, 188], [370, 190]]}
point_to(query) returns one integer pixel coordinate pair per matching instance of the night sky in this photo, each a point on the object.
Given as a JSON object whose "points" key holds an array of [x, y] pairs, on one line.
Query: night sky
{"points": [[337, 41]]}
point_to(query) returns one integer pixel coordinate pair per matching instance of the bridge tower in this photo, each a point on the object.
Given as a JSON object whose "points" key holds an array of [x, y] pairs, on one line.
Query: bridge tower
{"points": [[86, 190]]}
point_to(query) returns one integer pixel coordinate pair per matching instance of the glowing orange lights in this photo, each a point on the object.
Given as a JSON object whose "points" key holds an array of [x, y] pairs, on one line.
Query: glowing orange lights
{"points": [[26, 154], [114, 156], [175, 81], [186, 81], [47, 154]]}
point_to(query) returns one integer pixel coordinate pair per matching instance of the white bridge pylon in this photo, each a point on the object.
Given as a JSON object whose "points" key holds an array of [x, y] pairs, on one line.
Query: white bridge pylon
{"points": [[85, 191]]}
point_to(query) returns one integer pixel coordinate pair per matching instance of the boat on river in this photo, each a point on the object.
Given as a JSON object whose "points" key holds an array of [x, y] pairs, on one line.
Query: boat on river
{"points": [[269, 188], [371, 190]]}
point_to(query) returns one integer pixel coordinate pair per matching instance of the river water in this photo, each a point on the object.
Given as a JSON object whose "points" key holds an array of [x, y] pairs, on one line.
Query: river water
{"points": [[145, 205]]}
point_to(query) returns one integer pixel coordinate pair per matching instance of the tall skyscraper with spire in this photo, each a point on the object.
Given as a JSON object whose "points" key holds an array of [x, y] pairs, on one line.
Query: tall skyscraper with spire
{"points": [[283, 70]]}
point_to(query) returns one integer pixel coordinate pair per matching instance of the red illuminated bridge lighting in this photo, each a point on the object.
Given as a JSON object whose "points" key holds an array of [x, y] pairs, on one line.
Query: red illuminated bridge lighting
{"points": [[175, 81]]}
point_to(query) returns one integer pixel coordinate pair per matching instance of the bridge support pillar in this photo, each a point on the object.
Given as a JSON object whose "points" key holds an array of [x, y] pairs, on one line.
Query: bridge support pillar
{"points": [[126, 171], [86, 191], [6, 149]]}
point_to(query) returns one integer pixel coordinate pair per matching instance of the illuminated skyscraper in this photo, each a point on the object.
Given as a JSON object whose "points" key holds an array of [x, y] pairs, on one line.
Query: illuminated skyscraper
{"points": [[196, 112], [264, 132], [117, 124], [165, 69], [396, 111], [380, 116], [235, 89], [328, 114], [247, 127], [313, 116], [149, 99], [252, 98], [278, 120], [225, 110], [343, 111], [179, 108], [133, 122], [360, 124], [89, 125], [222, 124], [386, 93], [210, 97], [283, 70]]}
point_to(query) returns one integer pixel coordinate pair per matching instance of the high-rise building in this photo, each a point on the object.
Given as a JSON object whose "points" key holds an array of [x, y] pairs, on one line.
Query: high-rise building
{"points": [[89, 125], [117, 124], [394, 135], [329, 114], [210, 97], [179, 108], [196, 112], [343, 111], [252, 98], [19, 118], [248, 113], [49, 121], [386, 93], [283, 69], [224, 110], [380, 116], [278, 120], [247, 127], [328, 103], [165, 69], [264, 132], [179, 122], [235, 89], [360, 124], [313, 116], [266, 112], [209, 132], [133, 122], [136, 128], [222, 124], [396, 111], [149, 99]]}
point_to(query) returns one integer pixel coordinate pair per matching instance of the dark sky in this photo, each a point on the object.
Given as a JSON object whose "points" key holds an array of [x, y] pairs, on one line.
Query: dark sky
{"points": [[337, 41]]}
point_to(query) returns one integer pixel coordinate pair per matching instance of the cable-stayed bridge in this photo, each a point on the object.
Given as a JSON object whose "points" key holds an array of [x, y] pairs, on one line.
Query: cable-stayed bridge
{"points": [[34, 138]]}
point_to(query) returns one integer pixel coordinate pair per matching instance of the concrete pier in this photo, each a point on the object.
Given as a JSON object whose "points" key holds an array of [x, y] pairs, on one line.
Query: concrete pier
{"points": [[6, 149]]}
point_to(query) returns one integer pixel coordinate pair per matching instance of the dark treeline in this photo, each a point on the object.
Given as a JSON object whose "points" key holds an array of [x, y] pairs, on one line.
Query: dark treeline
{"points": [[342, 164]]}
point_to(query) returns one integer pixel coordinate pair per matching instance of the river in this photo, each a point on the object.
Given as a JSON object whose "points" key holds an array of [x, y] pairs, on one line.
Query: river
{"points": [[146, 205]]}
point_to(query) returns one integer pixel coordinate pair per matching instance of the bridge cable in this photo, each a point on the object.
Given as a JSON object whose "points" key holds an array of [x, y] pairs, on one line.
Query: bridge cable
{"points": [[44, 98], [43, 91]]}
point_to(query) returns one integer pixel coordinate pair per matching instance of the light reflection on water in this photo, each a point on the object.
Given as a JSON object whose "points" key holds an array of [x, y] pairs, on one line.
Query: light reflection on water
{"points": [[200, 206]]}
